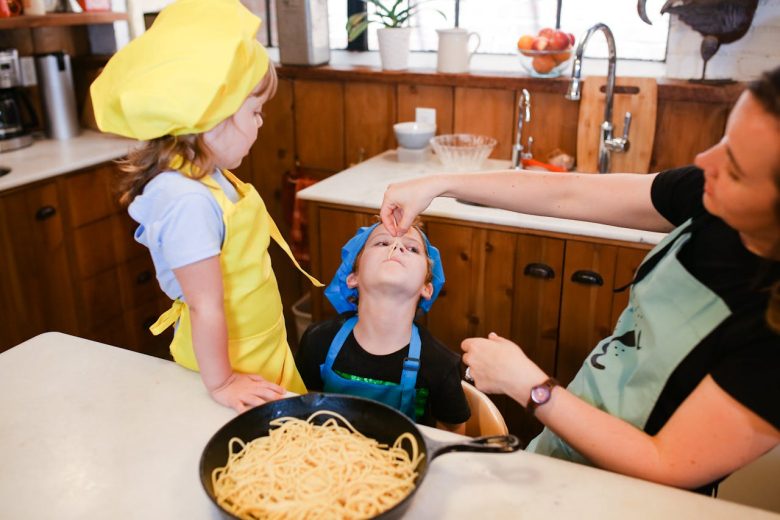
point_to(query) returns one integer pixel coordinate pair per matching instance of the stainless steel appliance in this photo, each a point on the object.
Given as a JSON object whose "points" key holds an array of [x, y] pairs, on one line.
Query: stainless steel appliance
{"points": [[17, 116], [59, 96], [304, 38]]}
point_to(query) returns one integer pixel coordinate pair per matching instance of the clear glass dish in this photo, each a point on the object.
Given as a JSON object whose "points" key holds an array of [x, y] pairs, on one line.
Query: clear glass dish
{"points": [[545, 64], [463, 152]]}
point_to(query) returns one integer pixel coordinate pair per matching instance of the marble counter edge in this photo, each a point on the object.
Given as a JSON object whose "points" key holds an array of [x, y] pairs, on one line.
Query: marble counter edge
{"points": [[47, 158]]}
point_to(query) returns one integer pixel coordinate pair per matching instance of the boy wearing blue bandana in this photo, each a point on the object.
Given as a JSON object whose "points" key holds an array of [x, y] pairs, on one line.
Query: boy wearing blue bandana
{"points": [[374, 349]]}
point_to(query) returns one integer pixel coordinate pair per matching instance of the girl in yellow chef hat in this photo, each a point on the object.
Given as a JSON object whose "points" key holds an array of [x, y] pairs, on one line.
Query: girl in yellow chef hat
{"points": [[192, 89]]}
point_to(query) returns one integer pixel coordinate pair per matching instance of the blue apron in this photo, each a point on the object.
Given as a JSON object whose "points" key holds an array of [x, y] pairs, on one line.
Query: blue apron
{"points": [[401, 397], [668, 315]]}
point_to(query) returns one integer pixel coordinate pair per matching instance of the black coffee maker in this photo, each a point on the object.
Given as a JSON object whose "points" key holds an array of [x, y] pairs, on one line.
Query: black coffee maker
{"points": [[17, 116]]}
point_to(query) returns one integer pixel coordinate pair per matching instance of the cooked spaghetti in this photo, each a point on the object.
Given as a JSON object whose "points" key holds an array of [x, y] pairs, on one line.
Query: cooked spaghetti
{"points": [[303, 470]]}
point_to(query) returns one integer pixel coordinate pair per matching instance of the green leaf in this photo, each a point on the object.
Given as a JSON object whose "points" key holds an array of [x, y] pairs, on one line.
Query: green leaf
{"points": [[358, 29], [355, 19]]}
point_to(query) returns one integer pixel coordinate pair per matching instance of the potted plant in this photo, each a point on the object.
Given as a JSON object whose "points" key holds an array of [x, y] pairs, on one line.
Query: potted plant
{"points": [[393, 38]]}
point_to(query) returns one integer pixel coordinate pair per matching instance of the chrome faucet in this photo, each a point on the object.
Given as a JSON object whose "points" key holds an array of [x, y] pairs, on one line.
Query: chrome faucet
{"points": [[518, 152], [607, 143]]}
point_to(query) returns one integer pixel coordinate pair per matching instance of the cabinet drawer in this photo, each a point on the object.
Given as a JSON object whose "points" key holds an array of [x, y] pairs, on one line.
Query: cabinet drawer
{"points": [[137, 282], [102, 299], [94, 248], [125, 245], [139, 337], [91, 195]]}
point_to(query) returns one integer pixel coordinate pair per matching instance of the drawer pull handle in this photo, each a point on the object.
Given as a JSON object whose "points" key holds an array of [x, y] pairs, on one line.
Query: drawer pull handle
{"points": [[587, 278], [143, 277], [45, 212], [543, 271]]}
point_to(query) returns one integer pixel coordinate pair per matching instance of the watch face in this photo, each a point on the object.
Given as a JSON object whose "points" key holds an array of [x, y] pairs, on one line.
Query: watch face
{"points": [[540, 394]]}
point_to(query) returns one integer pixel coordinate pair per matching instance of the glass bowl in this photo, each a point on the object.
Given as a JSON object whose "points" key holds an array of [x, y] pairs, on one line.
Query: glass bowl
{"points": [[545, 64], [463, 152]]}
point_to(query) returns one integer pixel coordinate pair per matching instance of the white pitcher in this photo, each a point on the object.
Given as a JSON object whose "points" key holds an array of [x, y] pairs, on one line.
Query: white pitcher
{"points": [[454, 56]]}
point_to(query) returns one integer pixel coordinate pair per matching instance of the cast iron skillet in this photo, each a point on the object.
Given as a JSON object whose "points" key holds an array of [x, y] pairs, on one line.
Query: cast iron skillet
{"points": [[371, 418]]}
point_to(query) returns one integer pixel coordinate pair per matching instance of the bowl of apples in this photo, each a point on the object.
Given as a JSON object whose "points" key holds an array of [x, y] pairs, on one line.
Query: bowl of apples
{"points": [[547, 54]]}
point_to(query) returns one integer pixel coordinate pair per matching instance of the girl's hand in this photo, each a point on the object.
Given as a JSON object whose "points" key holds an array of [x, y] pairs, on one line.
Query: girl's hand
{"points": [[244, 391], [403, 201], [498, 366]]}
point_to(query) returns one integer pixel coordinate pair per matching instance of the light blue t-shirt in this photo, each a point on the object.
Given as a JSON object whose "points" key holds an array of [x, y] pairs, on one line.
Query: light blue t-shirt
{"points": [[180, 222]]}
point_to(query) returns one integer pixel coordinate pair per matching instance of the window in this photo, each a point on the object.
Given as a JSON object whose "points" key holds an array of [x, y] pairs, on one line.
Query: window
{"points": [[500, 23]]}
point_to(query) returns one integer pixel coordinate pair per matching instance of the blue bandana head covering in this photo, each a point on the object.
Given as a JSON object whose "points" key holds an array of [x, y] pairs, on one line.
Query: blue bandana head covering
{"points": [[339, 294]]}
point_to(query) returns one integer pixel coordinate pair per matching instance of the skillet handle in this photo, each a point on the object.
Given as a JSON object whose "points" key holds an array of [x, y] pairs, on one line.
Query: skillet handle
{"points": [[487, 444]]}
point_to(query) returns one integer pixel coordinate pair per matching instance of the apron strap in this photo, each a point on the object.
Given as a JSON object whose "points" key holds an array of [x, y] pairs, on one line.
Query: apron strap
{"points": [[411, 368], [277, 236], [338, 341], [168, 318], [650, 263]]}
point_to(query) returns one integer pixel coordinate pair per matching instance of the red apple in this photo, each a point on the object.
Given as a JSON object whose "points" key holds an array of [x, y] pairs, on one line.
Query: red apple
{"points": [[546, 32], [540, 43], [559, 40], [571, 39]]}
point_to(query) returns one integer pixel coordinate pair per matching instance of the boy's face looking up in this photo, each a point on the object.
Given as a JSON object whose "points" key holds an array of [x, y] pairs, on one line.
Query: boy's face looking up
{"points": [[405, 273]]}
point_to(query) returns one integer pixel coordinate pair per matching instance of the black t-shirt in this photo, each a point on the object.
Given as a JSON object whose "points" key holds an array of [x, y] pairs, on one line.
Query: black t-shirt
{"points": [[742, 354], [439, 392]]}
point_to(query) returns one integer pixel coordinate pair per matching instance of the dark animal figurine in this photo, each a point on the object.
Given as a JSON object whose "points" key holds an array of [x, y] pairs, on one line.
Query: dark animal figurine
{"points": [[719, 21]]}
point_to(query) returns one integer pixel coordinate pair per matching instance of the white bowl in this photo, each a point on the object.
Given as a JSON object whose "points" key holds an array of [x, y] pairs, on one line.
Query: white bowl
{"points": [[463, 152], [414, 135]]}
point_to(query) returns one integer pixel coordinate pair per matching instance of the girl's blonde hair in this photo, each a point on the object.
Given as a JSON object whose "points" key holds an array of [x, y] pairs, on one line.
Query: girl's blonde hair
{"points": [[150, 158]]}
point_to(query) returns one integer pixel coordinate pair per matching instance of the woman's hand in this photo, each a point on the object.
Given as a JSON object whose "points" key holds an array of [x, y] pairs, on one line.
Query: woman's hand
{"points": [[498, 366], [403, 201], [244, 391]]}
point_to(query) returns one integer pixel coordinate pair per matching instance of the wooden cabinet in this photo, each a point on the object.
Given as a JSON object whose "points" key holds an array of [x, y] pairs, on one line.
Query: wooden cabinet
{"points": [[487, 111], [113, 275], [411, 97], [319, 124], [369, 114], [550, 294], [69, 263], [35, 282]]}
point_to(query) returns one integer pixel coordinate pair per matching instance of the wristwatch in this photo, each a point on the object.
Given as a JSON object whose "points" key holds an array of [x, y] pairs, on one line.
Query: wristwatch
{"points": [[540, 394]]}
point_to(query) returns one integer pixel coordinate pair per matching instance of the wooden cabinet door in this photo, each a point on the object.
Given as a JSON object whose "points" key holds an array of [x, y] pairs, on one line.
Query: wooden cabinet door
{"points": [[333, 228], [586, 304], [411, 97], [628, 261], [319, 124], [36, 275], [537, 298], [453, 317], [487, 111], [369, 110]]}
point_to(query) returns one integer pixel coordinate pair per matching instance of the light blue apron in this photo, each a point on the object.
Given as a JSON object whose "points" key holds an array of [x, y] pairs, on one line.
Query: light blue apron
{"points": [[668, 315], [401, 397]]}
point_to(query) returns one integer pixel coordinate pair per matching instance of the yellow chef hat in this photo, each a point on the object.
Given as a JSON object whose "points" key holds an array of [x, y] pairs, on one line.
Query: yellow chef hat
{"points": [[192, 69]]}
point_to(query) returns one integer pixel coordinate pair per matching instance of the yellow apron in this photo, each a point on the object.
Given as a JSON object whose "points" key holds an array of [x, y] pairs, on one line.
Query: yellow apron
{"points": [[257, 338]]}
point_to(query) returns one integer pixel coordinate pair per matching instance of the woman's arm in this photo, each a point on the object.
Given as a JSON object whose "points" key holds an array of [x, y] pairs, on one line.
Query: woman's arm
{"points": [[709, 436], [201, 284], [613, 199]]}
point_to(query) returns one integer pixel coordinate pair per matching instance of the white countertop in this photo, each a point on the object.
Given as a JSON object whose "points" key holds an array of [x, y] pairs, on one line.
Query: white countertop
{"points": [[364, 184], [90, 431], [48, 158]]}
